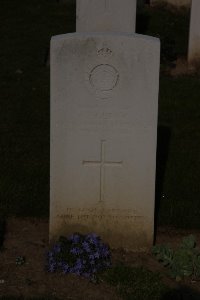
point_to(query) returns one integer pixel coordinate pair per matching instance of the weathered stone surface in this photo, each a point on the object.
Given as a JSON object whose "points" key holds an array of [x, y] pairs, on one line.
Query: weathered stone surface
{"points": [[194, 35], [106, 16], [104, 96]]}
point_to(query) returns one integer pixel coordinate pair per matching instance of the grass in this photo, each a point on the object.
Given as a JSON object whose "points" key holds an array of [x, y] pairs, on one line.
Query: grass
{"points": [[178, 160], [135, 283], [179, 114], [26, 28], [170, 25]]}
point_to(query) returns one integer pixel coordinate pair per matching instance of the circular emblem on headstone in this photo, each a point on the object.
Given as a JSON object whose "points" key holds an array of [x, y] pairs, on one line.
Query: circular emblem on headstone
{"points": [[103, 78]]}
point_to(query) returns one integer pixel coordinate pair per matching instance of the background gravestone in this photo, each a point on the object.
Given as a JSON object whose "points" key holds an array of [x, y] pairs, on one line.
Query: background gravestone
{"points": [[106, 15], [194, 35]]}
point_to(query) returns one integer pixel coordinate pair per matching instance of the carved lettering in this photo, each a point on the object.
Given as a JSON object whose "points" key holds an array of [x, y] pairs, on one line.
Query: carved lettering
{"points": [[96, 216]]}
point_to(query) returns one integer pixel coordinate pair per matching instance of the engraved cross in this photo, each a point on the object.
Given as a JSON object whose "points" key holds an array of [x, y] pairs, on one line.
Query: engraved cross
{"points": [[102, 164], [106, 5]]}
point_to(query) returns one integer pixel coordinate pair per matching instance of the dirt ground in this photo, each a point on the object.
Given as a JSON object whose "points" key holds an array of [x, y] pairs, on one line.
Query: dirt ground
{"points": [[29, 238]]}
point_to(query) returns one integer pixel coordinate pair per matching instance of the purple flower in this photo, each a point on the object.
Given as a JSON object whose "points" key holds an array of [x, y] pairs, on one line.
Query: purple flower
{"points": [[75, 238], [72, 270], [76, 251], [92, 262], [51, 258], [96, 255], [107, 264], [52, 267], [93, 238], [50, 254], [79, 264], [91, 256], [51, 261], [80, 255], [65, 268], [105, 251], [86, 246], [57, 248], [84, 261]]}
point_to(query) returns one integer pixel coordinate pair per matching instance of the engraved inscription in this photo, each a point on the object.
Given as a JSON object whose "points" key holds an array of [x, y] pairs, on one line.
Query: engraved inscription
{"points": [[93, 120], [98, 216], [108, 215], [103, 77], [102, 164], [94, 210], [113, 217]]}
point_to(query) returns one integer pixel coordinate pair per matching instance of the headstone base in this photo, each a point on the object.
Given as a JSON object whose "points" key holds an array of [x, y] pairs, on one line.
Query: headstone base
{"points": [[119, 230]]}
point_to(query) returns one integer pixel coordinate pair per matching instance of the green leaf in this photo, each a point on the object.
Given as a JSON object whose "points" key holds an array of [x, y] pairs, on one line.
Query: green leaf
{"points": [[188, 272], [163, 253], [183, 262], [189, 242]]}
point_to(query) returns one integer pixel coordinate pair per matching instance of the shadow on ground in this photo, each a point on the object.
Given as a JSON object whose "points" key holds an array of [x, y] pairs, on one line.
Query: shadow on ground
{"points": [[163, 140], [183, 293]]}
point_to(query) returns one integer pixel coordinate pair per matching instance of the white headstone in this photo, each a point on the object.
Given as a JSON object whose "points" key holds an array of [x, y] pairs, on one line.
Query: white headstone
{"points": [[104, 98], [194, 35], [106, 15]]}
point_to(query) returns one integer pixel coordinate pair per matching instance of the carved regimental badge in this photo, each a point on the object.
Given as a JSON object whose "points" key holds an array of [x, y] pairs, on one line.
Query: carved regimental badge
{"points": [[102, 78]]}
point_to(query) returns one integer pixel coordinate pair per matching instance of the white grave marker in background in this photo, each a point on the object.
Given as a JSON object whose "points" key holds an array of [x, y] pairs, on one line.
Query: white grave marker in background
{"points": [[194, 34], [104, 97], [106, 15]]}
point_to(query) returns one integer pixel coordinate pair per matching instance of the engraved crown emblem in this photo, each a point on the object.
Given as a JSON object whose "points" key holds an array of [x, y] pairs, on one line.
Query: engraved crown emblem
{"points": [[104, 52]]}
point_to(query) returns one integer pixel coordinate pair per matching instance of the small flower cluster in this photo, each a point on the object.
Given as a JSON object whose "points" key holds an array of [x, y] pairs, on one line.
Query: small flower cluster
{"points": [[79, 254]]}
